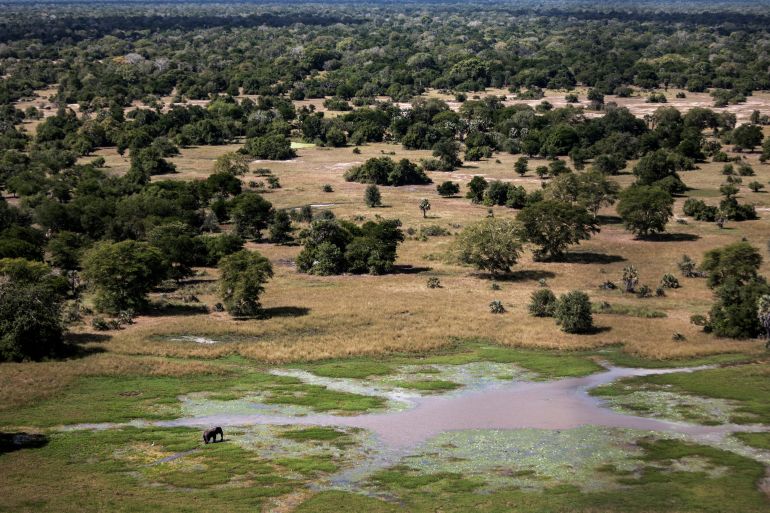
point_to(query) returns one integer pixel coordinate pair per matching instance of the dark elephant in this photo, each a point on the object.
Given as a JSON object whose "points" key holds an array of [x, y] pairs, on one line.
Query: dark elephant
{"points": [[210, 435]]}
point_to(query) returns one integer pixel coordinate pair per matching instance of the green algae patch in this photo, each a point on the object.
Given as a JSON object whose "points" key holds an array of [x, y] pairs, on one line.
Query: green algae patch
{"points": [[429, 385], [660, 402]]}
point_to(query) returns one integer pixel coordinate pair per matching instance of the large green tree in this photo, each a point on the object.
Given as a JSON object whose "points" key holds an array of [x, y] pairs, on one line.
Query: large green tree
{"points": [[242, 278], [554, 226], [645, 209]]}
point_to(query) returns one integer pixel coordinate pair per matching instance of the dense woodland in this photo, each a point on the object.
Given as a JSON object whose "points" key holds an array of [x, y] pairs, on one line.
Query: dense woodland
{"points": [[74, 230]]}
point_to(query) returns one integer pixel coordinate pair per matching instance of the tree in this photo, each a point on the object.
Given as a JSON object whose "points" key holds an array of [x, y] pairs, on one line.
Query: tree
{"points": [[521, 166], [747, 136], [645, 209], [491, 244], [554, 225], [65, 250], [573, 312], [280, 228], [122, 273], [763, 315], [447, 151], [447, 189], [733, 274], [590, 190], [372, 196], [242, 278], [476, 188], [608, 163], [232, 163], [177, 243], [656, 166], [424, 206], [251, 214], [30, 322], [738, 262]]}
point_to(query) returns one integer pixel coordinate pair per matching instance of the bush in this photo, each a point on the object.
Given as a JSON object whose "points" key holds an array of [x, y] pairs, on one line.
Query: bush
{"points": [[496, 307], [645, 210], [573, 312], [542, 303], [669, 281], [448, 189], [644, 291], [434, 283], [327, 188]]}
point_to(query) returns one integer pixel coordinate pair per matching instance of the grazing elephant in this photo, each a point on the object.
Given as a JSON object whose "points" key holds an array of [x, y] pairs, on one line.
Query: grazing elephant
{"points": [[210, 435]]}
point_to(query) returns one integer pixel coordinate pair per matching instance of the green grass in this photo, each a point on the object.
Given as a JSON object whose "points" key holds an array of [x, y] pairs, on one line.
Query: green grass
{"points": [[429, 385], [357, 369], [308, 465], [749, 385], [119, 470], [757, 440], [322, 399], [124, 398], [314, 433], [624, 359]]}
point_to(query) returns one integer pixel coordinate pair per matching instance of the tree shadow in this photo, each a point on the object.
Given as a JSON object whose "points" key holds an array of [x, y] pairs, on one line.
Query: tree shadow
{"points": [[410, 269], [286, 311], [597, 329], [10, 442], [523, 275], [589, 257], [157, 310], [671, 237], [606, 219]]}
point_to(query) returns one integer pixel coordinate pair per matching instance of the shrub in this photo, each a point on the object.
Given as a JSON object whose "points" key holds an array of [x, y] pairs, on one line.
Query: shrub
{"points": [[573, 312], [542, 303], [269, 147], [644, 291], [385, 171], [698, 320], [434, 283], [630, 278], [496, 307], [448, 189], [669, 281], [756, 186], [327, 188]]}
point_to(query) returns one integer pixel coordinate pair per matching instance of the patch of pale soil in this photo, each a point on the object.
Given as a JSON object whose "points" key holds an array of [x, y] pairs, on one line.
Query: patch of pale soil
{"points": [[267, 161], [288, 503], [343, 165]]}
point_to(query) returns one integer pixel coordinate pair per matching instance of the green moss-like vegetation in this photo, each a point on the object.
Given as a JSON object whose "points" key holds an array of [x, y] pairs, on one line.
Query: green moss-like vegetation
{"points": [[428, 385], [308, 465], [322, 399], [748, 385], [314, 433], [351, 369], [664, 484], [757, 440], [623, 359]]}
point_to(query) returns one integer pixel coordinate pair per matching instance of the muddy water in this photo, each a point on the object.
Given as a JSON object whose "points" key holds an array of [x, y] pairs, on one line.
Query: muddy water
{"points": [[555, 405]]}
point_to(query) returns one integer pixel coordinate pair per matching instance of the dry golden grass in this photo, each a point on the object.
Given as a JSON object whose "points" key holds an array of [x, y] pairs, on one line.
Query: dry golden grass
{"points": [[26, 382]]}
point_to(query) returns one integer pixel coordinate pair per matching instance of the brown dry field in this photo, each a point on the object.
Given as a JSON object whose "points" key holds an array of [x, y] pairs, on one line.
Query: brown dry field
{"points": [[314, 317]]}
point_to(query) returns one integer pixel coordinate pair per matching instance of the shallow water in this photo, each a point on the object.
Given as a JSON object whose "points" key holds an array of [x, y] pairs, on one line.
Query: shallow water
{"points": [[562, 404]]}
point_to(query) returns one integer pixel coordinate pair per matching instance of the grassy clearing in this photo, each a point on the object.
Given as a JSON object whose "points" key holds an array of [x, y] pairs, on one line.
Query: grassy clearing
{"points": [[119, 470], [748, 385], [629, 310]]}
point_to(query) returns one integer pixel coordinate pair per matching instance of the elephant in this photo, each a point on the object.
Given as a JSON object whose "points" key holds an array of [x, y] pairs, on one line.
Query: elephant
{"points": [[210, 435]]}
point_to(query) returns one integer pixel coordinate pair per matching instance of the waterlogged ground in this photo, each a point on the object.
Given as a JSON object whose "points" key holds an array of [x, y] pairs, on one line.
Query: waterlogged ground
{"points": [[443, 432]]}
